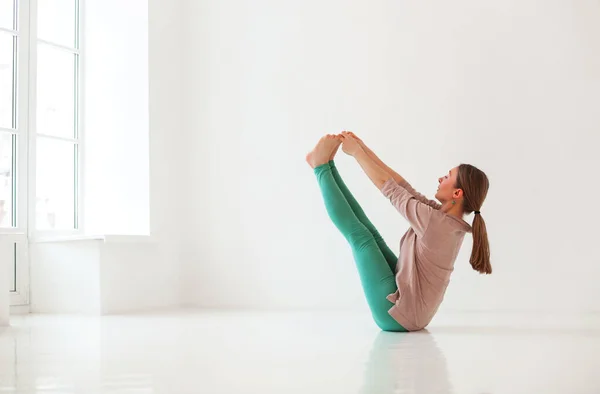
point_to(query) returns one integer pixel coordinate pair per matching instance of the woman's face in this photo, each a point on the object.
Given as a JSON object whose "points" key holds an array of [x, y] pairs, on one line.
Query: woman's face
{"points": [[446, 189]]}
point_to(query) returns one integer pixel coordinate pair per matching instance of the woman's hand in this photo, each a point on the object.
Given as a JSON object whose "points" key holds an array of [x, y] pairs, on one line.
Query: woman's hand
{"points": [[360, 142], [354, 136], [350, 144]]}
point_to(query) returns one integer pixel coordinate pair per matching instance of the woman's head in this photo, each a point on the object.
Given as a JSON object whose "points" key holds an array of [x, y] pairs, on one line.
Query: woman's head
{"points": [[468, 186], [447, 190]]}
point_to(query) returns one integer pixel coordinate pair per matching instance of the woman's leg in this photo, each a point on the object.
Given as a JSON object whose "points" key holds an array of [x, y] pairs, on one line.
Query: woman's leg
{"points": [[377, 279], [390, 257]]}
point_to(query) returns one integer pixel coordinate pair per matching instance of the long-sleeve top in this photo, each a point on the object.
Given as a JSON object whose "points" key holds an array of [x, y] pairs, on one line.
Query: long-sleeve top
{"points": [[428, 251]]}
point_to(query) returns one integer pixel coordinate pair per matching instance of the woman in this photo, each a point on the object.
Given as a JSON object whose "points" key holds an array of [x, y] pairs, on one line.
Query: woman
{"points": [[405, 299]]}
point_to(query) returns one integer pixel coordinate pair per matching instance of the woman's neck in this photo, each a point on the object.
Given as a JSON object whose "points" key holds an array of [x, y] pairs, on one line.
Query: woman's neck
{"points": [[453, 209]]}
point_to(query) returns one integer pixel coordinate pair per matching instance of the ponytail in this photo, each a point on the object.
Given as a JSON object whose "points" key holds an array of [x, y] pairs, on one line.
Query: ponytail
{"points": [[475, 185], [480, 255]]}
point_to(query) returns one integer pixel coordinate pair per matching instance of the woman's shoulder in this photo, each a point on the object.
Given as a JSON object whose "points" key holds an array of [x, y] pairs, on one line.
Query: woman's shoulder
{"points": [[451, 223]]}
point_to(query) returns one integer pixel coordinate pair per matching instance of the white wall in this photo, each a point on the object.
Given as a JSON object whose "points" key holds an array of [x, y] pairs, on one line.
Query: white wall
{"points": [[138, 276], [512, 87], [102, 276], [167, 197], [115, 70], [65, 277]]}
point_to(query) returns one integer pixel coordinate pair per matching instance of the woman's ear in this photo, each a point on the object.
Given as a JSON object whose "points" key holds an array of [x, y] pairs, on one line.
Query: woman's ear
{"points": [[458, 193]]}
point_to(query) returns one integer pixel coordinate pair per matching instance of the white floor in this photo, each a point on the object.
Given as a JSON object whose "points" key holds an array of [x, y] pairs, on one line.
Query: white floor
{"points": [[231, 352]]}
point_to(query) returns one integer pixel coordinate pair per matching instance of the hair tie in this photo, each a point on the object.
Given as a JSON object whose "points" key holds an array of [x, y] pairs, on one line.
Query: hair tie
{"points": [[477, 213]]}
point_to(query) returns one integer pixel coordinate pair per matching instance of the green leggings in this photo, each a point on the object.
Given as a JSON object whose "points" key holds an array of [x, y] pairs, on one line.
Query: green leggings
{"points": [[375, 261]]}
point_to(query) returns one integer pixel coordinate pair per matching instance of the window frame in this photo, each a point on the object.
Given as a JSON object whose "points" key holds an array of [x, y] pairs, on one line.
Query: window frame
{"points": [[77, 140]]}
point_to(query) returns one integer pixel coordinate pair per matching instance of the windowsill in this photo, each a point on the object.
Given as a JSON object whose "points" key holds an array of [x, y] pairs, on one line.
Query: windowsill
{"points": [[106, 238]]}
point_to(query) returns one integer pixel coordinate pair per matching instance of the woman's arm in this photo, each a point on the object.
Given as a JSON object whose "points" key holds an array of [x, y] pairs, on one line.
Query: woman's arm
{"points": [[378, 175], [397, 177], [417, 213], [351, 147]]}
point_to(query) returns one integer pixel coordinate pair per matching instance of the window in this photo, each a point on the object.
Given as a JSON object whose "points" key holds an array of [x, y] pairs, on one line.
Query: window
{"points": [[43, 149], [40, 133], [56, 116]]}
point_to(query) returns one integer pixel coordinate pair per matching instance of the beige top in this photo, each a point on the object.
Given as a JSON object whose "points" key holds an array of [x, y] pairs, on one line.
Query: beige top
{"points": [[428, 251]]}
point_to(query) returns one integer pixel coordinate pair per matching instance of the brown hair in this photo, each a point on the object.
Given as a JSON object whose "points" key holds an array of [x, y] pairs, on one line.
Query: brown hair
{"points": [[475, 184]]}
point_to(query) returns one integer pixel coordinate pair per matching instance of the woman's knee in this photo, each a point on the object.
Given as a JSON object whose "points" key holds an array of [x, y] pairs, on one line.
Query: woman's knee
{"points": [[361, 239]]}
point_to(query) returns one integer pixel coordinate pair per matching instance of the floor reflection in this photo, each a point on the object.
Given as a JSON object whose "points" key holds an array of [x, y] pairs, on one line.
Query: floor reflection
{"points": [[406, 364]]}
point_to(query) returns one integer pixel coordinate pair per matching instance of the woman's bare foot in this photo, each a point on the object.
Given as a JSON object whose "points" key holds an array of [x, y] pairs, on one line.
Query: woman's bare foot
{"points": [[324, 151], [336, 147]]}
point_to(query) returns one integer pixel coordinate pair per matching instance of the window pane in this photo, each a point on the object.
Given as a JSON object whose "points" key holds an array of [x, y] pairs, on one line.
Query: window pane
{"points": [[6, 14], [55, 92], [6, 179], [55, 183], [56, 21], [6, 80]]}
